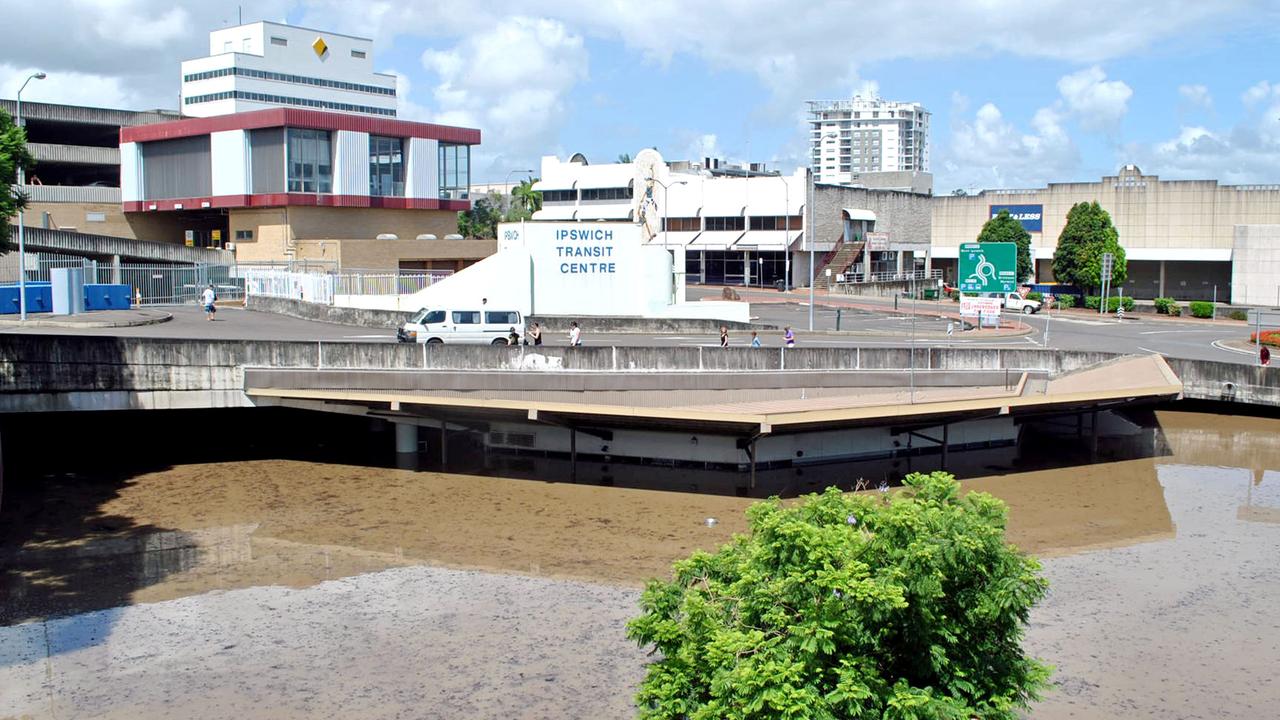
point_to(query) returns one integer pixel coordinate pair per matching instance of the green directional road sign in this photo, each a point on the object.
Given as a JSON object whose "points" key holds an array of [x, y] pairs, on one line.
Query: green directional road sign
{"points": [[988, 267]]}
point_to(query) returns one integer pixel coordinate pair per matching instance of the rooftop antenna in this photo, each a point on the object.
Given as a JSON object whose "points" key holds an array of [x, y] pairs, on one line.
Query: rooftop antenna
{"points": [[240, 14]]}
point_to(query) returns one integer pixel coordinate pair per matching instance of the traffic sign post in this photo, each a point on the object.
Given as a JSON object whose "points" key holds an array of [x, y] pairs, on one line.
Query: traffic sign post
{"points": [[988, 267], [1108, 264]]}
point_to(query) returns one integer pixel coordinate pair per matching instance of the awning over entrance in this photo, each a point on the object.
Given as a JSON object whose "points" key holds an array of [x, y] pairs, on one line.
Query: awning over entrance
{"points": [[858, 214]]}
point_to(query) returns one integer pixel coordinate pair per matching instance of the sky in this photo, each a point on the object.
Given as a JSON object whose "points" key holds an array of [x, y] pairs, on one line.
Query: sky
{"points": [[1021, 93]]}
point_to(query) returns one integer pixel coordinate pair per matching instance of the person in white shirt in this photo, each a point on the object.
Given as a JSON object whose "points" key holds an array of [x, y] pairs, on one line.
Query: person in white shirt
{"points": [[207, 298], [575, 334]]}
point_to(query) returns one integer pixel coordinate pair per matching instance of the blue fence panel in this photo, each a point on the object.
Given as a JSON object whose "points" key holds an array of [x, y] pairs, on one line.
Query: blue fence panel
{"points": [[39, 298]]}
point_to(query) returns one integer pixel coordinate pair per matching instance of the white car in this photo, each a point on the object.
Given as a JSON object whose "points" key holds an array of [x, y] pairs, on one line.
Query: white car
{"points": [[472, 327], [1014, 302]]}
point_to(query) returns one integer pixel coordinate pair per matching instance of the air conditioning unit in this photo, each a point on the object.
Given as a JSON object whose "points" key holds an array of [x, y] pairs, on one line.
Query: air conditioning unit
{"points": [[231, 246]]}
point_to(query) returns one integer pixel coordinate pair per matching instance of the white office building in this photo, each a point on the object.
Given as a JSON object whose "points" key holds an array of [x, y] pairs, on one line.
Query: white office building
{"points": [[850, 139], [723, 225], [265, 65]]}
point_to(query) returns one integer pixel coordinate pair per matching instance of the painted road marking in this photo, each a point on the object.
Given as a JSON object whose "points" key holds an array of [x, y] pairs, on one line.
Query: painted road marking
{"points": [[1217, 344], [1153, 352]]}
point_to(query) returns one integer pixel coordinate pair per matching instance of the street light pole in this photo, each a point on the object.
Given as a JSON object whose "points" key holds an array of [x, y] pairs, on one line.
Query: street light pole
{"points": [[812, 231], [506, 182], [664, 187], [786, 222], [22, 180]]}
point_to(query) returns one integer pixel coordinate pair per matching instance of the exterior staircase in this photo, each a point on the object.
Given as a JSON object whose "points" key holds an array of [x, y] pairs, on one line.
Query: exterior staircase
{"points": [[839, 261]]}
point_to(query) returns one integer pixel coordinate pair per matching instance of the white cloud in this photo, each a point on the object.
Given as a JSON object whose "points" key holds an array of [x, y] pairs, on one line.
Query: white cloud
{"points": [[511, 82], [1096, 103], [1196, 97], [1246, 153], [989, 151], [68, 88]]}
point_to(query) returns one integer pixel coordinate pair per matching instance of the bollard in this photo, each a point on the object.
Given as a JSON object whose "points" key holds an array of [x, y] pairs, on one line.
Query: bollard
{"points": [[837, 319]]}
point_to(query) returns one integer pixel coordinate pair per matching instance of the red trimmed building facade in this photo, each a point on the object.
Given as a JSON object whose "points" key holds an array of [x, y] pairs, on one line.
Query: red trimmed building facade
{"points": [[291, 184]]}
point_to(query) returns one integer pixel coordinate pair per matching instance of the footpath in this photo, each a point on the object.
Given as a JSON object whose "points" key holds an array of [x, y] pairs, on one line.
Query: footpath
{"points": [[95, 319]]}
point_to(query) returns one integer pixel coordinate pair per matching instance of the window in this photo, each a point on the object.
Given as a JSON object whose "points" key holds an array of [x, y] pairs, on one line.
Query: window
{"points": [[455, 171], [386, 166], [284, 100], [286, 77], [357, 54], [282, 42], [683, 224], [726, 223], [774, 222], [466, 317], [502, 318], [621, 193], [550, 196], [95, 217], [244, 236], [434, 316], [310, 161]]}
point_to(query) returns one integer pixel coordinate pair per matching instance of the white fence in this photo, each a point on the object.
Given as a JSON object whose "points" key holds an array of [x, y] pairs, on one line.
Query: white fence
{"points": [[387, 283], [323, 287], [149, 283], [308, 287]]}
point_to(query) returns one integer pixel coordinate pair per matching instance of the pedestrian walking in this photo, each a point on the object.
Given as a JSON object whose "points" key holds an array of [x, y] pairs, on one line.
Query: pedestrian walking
{"points": [[724, 336], [1264, 356], [513, 337], [755, 339], [208, 298], [575, 335], [788, 337], [535, 334]]}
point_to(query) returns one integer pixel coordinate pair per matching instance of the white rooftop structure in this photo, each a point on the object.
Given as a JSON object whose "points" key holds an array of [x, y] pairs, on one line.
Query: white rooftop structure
{"points": [[264, 64], [701, 210]]}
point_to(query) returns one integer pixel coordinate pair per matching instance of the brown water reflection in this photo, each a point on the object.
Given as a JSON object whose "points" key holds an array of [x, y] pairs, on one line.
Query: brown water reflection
{"points": [[1164, 571]]}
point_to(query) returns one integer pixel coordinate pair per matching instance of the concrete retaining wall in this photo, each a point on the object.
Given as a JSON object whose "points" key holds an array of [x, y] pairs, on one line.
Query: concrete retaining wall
{"points": [[326, 313], [559, 323], [187, 373]]}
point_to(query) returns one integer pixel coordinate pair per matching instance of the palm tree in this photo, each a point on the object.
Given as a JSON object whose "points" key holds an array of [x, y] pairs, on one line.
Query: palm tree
{"points": [[526, 198], [624, 158]]}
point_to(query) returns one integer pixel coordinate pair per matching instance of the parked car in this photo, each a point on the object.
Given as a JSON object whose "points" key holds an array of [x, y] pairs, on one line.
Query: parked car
{"points": [[472, 327], [1014, 302]]}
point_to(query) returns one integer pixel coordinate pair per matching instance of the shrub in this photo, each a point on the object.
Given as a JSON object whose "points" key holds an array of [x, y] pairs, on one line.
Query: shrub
{"points": [[1092, 302], [1238, 315], [1114, 303], [1269, 337], [1163, 304], [1065, 301], [1175, 310], [1037, 296], [848, 605], [955, 295], [1202, 309]]}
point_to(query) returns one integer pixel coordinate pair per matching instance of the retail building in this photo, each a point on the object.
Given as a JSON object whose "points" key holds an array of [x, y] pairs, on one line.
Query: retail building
{"points": [[1187, 239]]}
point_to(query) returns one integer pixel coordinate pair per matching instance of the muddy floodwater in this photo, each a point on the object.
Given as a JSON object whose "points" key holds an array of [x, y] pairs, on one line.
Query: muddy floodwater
{"points": [[270, 588]]}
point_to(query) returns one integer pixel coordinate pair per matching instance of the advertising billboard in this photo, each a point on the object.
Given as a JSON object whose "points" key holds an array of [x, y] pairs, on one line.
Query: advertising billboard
{"points": [[1029, 215], [988, 267]]}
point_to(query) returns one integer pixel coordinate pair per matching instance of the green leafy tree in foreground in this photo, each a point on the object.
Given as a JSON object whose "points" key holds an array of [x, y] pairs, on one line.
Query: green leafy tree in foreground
{"points": [[13, 153], [908, 605], [1087, 235], [1004, 228]]}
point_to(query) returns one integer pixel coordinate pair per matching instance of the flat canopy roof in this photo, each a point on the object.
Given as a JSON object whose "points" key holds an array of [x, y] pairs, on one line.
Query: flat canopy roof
{"points": [[740, 403], [298, 118]]}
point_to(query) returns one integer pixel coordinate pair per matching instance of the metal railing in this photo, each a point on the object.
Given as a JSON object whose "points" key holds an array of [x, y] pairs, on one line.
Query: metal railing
{"points": [[149, 283], [387, 283], [852, 278], [269, 282]]}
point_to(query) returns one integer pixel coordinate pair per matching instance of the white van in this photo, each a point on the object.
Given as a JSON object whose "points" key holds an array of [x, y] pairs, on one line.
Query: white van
{"points": [[473, 327]]}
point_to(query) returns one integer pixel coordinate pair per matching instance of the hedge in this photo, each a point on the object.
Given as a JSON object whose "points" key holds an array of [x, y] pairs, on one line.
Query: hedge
{"points": [[1113, 303], [1202, 309], [1065, 301], [1238, 315], [1033, 295], [1164, 304]]}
